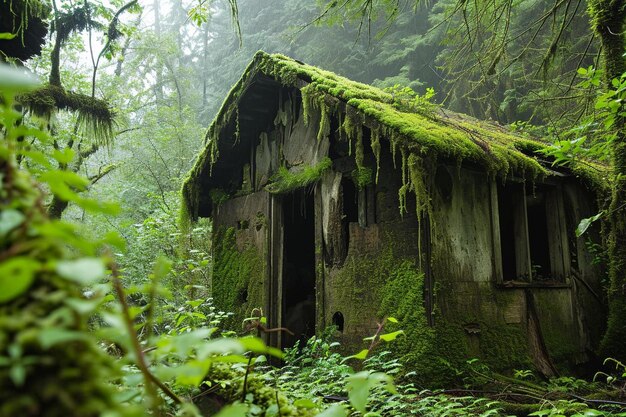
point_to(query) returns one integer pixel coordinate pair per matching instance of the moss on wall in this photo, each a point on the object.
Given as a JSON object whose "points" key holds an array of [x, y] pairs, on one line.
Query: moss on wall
{"points": [[237, 277], [504, 346], [431, 351], [395, 284], [284, 180]]}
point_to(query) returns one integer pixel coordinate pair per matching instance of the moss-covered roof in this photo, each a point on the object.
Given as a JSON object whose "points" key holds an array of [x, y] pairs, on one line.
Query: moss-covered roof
{"points": [[424, 133], [26, 20]]}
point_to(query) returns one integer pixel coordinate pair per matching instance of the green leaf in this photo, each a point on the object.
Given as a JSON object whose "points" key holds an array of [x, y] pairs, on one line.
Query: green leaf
{"points": [[53, 336], [233, 410], [83, 271], [38, 157], [592, 413], [392, 319], [388, 337], [95, 206], [14, 80], [83, 306], [585, 223], [192, 373], [360, 384], [335, 410], [162, 267], [7, 36], [182, 344], [304, 403], [16, 276], [64, 157], [257, 345], [18, 374], [9, 220], [361, 355]]}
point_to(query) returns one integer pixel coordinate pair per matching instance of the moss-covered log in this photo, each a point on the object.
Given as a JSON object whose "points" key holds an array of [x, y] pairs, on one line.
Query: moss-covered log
{"points": [[95, 115]]}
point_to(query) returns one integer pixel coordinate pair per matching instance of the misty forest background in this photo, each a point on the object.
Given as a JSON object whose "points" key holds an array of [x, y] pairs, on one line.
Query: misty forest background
{"points": [[163, 68]]}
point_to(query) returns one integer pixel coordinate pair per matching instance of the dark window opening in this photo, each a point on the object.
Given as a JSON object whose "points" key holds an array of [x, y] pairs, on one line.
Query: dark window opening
{"points": [[530, 236], [367, 141], [242, 296], [338, 321], [298, 294], [538, 239], [370, 204]]}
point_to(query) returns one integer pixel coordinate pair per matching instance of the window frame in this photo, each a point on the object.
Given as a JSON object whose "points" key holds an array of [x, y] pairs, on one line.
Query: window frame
{"points": [[558, 245]]}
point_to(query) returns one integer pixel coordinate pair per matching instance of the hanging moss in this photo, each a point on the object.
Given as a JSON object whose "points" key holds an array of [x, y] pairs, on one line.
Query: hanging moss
{"points": [[284, 180], [94, 115], [362, 177], [375, 143], [218, 196]]}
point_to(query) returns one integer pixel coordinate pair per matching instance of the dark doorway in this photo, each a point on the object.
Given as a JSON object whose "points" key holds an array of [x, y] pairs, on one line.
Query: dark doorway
{"points": [[298, 294]]}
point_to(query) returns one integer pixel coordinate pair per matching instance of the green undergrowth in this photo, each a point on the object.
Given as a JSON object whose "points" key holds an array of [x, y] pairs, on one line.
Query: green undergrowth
{"points": [[50, 362], [315, 373]]}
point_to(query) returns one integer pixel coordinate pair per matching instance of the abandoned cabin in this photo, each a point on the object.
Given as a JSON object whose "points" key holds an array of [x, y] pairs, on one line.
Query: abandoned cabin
{"points": [[336, 203]]}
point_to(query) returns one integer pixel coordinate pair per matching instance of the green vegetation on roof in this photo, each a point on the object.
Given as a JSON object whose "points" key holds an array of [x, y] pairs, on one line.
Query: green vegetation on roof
{"points": [[435, 134]]}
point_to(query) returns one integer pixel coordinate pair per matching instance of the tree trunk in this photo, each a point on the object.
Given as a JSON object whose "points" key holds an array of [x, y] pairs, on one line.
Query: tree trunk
{"points": [[158, 88], [609, 21]]}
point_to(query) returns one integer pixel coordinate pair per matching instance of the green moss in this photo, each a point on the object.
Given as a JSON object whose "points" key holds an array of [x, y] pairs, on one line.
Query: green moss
{"points": [[428, 134], [432, 352], [504, 346], [95, 115], [227, 382], [284, 181], [218, 196], [363, 177], [396, 285], [375, 143], [237, 277]]}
